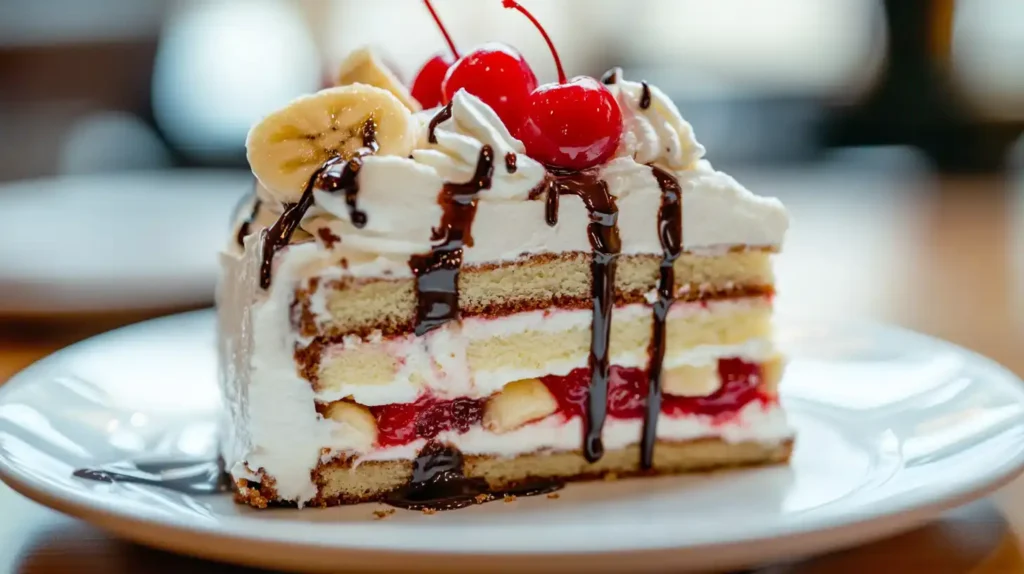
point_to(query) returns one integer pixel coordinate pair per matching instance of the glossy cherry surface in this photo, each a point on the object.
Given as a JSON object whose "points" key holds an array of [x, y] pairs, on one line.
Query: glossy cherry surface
{"points": [[498, 75], [574, 125], [426, 87]]}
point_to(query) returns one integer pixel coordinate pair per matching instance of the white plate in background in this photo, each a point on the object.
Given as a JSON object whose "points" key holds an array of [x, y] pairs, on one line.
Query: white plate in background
{"points": [[893, 428], [114, 242]]}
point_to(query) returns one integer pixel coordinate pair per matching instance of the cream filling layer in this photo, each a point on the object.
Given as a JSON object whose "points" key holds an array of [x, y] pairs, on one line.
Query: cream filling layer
{"points": [[755, 422], [453, 361]]}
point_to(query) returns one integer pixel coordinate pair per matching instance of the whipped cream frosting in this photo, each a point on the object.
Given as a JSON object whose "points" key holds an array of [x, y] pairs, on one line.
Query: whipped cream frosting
{"points": [[400, 194], [657, 133]]}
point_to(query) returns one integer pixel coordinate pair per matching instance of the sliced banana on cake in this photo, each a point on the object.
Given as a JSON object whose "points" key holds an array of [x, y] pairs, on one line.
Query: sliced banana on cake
{"points": [[364, 67], [518, 403], [356, 422], [691, 380], [289, 145]]}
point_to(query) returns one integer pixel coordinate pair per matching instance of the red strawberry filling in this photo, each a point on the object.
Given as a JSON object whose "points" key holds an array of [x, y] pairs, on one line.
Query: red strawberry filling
{"points": [[399, 424]]}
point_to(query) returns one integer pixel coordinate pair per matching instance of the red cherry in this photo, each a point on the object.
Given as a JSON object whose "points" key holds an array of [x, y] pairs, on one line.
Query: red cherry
{"points": [[426, 87], [498, 75], [572, 125]]}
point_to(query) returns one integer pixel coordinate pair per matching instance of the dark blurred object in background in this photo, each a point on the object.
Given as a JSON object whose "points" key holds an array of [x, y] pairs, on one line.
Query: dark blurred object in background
{"points": [[74, 66], [918, 102], [112, 85]]}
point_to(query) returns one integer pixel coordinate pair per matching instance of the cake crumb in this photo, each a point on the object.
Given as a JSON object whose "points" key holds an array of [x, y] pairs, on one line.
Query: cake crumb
{"points": [[510, 498], [553, 495], [611, 476], [482, 498], [382, 514], [429, 511]]}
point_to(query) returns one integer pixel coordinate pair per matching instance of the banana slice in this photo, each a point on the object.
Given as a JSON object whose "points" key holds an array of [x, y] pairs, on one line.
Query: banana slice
{"points": [[356, 421], [364, 67], [691, 381], [518, 403], [289, 145]]}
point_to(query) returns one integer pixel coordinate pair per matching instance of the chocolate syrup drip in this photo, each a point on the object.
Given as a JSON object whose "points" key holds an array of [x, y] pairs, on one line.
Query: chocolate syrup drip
{"points": [[439, 117], [670, 232], [188, 477], [437, 272], [438, 483], [645, 96], [510, 162], [336, 174], [604, 242], [611, 76], [345, 176], [243, 230]]}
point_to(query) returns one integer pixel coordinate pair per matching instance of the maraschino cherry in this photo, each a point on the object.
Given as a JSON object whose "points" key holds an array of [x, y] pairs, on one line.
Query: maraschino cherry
{"points": [[498, 75], [426, 87], [572, 124]]}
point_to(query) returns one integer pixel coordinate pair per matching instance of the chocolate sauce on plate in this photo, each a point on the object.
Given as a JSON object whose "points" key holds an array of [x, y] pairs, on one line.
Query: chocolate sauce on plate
{"points": [[437, 272], [604, 242], [336, 174], [187, 477], [438, 483]]}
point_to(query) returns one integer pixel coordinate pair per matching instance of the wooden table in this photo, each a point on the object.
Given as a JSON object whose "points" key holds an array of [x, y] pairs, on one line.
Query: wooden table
{"points": [[888, 240]]}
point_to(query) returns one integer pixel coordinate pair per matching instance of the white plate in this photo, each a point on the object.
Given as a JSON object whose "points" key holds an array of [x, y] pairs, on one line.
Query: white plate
{"points": [[894, 428], [114, 242]]}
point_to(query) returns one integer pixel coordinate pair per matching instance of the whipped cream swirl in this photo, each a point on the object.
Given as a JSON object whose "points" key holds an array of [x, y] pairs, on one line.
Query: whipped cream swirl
{"points": [[655, 132], [400, 194], [472, 125]]}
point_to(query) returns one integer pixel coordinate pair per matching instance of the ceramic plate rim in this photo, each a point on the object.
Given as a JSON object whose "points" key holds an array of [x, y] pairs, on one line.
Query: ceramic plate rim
{"points": [[906, 511]]}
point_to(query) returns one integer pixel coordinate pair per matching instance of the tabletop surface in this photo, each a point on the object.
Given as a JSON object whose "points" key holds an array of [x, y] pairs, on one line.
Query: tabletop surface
{"points": [[888, 241]]}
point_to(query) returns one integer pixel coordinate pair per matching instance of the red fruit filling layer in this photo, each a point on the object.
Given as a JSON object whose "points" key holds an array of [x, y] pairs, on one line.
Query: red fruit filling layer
{"points": [[400, 424]]}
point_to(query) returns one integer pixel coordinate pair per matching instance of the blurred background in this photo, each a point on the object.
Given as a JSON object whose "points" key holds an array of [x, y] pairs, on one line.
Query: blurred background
{"points": [[892, 130], [105, 85]]}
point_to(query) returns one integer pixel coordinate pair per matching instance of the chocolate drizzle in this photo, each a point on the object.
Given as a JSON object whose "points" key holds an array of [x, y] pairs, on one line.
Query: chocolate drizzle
{"points": [[188, 477], [611, 76], [438, 483], [243, 230], [510, 162], [437, 272], [670, 233], [343, 176], [336, 174], [439, 117], [604, 242], [645, 96]]}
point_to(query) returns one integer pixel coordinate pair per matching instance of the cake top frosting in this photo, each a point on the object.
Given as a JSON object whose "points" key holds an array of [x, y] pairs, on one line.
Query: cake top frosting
{"points": [[362, 170]]}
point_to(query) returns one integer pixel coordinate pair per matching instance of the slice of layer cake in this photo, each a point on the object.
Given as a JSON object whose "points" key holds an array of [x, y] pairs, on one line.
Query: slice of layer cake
{"points": [[414, 294]]}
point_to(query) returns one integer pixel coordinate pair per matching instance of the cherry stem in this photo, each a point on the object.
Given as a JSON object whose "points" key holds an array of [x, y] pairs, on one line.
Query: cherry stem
{"points": [[444, 30], [551, 45]]}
